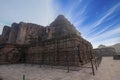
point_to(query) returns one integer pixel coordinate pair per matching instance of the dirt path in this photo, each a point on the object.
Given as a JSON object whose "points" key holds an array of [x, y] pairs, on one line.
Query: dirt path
{"points": [[109, 70]]}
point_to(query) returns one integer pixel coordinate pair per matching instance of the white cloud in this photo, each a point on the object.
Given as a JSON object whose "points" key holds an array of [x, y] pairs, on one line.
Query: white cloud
{"points": [[106, 38], [106, 34], [107, 42], [72, 7], [103, 30], [102, 19]]}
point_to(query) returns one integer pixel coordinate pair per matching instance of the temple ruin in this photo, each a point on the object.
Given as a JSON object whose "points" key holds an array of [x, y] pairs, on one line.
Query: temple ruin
{"points": [[57, 44]]}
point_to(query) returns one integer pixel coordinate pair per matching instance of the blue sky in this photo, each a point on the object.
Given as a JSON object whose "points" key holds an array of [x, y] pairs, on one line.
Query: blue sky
{"points": [[97, 20]]}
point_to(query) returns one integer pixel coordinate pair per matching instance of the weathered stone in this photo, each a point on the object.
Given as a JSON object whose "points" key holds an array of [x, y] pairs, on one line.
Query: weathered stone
{"points": [[6, 32], [116, 57], [20, 33], [26, 30], [63, 27], [116, 47], [9, 54], [13, 33], [2, 40], [60, 43]]}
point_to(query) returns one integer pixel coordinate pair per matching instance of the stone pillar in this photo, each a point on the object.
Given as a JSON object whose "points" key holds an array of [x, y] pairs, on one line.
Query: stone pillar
{"points": [[13, 33], [6, 32]]}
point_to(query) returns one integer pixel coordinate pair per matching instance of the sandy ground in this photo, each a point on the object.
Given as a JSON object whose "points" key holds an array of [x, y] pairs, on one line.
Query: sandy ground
{"points": [[109, 69]]}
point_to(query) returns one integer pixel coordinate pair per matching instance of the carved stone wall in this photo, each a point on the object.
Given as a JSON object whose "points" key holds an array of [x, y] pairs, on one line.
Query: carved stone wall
{"points": [[72, 51]]}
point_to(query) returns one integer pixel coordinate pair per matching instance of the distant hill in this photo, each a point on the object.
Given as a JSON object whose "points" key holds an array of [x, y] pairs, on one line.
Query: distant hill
{"points": [[115, 46], [101, 46]]}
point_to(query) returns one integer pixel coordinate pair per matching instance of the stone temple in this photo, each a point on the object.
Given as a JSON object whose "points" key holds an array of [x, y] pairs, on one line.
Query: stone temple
{"points": [[57, 44]]}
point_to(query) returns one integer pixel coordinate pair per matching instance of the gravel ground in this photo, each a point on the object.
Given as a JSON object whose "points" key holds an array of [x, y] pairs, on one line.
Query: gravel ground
{"points": [[109, 70]]}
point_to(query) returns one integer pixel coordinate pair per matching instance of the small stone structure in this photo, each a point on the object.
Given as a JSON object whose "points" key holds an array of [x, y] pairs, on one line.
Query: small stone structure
{"points": [[116, 57]]}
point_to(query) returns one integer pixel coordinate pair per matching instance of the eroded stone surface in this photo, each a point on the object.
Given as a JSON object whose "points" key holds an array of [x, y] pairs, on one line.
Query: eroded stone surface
{"points": [[6, 32]]}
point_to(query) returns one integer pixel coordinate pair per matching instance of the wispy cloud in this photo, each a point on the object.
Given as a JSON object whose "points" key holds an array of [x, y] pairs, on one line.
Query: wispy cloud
{"points": [[104, 29], [107, 42], [106, 35], [102, 19], [79, 16], [72, 7], [107, 38]]}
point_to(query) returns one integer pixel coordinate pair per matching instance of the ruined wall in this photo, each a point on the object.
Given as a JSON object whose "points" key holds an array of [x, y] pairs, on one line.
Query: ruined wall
{"points": [[61, 52], [6, 32], [27, 30], [2, 40], [2, 57], [9, 54], [13, 33], [19, 33], [60, 43]]}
